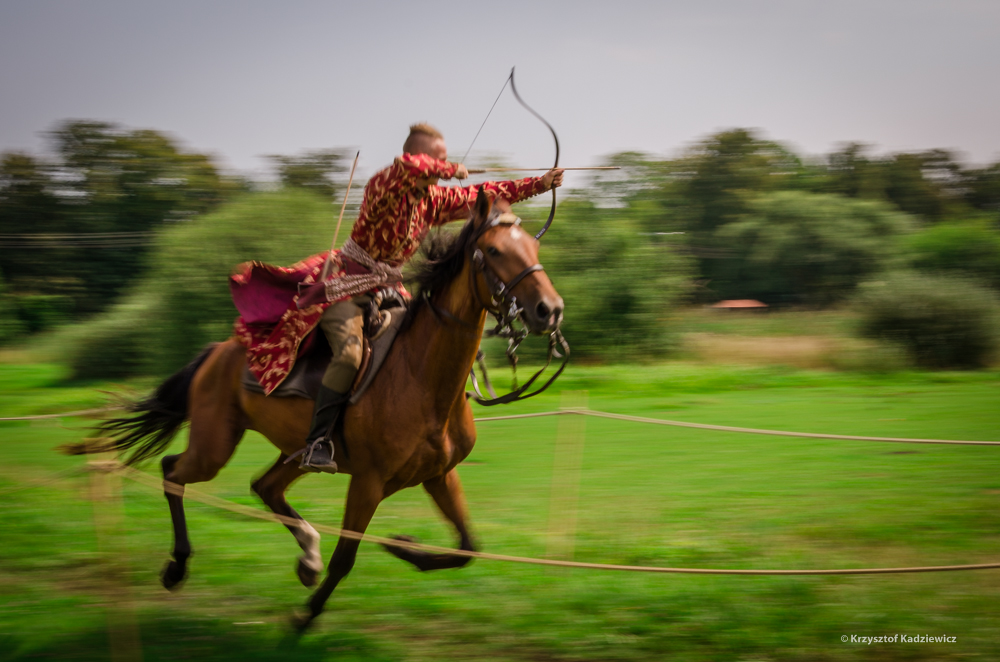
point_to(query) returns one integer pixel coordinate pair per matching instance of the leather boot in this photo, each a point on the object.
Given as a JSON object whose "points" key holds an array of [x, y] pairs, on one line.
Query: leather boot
{"points": [[319, 451]]}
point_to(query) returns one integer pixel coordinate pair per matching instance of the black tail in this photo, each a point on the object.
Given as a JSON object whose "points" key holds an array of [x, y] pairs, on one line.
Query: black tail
{"points": [[151, 423]]}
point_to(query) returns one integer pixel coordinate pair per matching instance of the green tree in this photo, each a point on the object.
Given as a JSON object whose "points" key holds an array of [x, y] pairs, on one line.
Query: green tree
{"points": [[721, 173], [314, 171], [808, 248], [909, 188], [619, 284], [964, 248], [36, 258], [30, 208], [183, 302], [943, 322], [11, 327], [851, 173], [930, 185], [119, 187], [984, 188], [712, 185]]}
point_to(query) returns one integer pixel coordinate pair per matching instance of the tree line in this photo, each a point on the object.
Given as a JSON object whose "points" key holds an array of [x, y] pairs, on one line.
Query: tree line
{"points": [[76, 227], [747, 218], [733, 216]]}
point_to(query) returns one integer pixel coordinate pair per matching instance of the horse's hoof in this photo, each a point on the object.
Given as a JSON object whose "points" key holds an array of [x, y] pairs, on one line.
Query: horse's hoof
{"points": [[301, 621], [173, 575], [307, 575], [409, 555], [392, 549]]}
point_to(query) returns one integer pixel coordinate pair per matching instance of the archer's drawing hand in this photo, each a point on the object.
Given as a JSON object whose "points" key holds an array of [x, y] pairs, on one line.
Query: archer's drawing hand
{"points": [[553, 179], [461, 172]]}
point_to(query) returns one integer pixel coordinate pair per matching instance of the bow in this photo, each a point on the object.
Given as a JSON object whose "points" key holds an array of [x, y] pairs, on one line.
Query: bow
{"points": [[510, 79]]}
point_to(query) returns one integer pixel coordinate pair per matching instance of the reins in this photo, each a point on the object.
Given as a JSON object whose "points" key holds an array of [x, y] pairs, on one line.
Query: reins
{"points": [[556, 340]]}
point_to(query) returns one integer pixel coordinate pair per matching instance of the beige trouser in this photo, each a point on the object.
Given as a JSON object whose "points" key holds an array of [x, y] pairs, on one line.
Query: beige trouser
{"points": [[342, 324]]}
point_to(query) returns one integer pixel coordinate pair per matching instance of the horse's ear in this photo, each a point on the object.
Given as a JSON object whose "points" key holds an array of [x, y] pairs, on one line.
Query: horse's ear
{"points": [[482, 211]]}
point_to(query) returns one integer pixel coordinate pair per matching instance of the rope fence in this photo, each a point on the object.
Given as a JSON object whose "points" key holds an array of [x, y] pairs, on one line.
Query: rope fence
{"points": [[65, 414], [153, 483], [728, 428], [780, 433], [56, 477], [625, 417], [216, 502], [156, 484]]}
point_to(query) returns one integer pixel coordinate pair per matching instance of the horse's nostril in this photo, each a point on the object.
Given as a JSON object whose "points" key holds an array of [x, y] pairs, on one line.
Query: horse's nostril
{"points": [[541, 310]]}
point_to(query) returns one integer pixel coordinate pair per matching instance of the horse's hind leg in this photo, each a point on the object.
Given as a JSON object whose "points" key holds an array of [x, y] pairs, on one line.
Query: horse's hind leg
{"points": [[271, 489], [211, 443], [176, 570], [447, 493]]}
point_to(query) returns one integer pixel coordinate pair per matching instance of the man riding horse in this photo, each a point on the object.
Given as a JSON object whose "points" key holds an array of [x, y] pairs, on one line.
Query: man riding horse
{"points": [[401, 203]]}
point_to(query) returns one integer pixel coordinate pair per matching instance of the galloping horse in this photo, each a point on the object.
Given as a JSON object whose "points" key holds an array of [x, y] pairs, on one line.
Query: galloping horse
{"points": [[412, 426]]}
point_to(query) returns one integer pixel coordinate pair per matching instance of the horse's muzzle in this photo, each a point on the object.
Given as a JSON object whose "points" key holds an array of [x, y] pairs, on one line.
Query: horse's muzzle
{"points": [[546, 315]]}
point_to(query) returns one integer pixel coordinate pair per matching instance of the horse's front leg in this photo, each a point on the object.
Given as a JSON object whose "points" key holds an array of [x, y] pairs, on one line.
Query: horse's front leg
{"points": [[447, 493], [363, 496], [271, 489]]}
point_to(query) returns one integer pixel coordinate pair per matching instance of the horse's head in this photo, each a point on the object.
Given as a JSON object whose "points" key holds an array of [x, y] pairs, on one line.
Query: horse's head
{"points": [[505, 260]]}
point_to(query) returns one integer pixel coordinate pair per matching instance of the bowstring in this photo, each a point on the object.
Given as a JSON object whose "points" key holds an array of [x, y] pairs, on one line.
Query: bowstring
{"points": [[464, 156]]}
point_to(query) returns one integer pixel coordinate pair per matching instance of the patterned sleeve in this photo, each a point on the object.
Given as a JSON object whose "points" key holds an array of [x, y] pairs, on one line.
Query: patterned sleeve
{"points": [[409, 167], [453, 203]]}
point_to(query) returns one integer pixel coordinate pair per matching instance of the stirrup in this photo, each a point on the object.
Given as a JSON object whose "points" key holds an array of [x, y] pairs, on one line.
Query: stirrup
{"points": [[381, 326], [313, 464]]}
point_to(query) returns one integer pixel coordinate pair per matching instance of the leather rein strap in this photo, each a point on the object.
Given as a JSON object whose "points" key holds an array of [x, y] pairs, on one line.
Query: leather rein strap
{"points": [[556, 342]]}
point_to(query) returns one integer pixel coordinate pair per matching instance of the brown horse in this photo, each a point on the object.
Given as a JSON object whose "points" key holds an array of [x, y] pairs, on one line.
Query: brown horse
{"points": [[413, 425]]}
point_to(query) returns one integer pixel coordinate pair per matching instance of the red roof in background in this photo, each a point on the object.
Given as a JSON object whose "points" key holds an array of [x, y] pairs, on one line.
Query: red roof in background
{"points": [[739, 303]]}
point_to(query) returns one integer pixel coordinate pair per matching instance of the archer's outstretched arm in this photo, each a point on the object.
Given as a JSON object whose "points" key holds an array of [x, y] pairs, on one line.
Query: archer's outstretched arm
{"points": [[453, 204]]}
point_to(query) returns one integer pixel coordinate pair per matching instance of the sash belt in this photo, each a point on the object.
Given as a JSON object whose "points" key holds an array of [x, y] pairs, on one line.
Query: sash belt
{"points": [[380, 274]]}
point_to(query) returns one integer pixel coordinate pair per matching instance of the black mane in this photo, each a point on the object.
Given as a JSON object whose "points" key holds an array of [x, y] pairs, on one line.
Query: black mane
{"points": [[441, 258]]}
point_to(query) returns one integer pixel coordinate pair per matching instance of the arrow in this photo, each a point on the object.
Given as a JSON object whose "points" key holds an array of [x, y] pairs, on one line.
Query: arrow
{"points": [[479, 171], [326, 265]]}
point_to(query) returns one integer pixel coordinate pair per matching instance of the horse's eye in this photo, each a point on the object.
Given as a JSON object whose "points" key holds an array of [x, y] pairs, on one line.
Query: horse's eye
{"points": [[492, 251]]}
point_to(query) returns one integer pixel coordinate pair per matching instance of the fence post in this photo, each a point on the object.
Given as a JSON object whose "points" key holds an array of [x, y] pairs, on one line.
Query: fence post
{"points": [[566, 462], [105, 492]]}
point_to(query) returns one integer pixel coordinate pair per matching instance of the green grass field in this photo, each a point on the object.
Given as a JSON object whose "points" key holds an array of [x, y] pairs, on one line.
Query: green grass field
{"points": [[648, 495]]}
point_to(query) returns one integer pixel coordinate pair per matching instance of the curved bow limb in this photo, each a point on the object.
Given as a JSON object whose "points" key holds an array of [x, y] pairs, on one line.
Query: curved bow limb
{"points": [[552, 210]]}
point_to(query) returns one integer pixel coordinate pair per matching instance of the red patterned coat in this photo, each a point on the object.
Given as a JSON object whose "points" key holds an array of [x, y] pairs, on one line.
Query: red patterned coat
{"points": [[391, 224]]}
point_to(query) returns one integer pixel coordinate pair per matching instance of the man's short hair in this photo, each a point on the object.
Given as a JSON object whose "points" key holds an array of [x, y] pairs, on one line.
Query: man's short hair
{"points": [[418, 134]]}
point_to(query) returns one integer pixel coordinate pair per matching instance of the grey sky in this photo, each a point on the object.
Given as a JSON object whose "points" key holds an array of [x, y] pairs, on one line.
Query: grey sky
{"points": [[240, 79]]}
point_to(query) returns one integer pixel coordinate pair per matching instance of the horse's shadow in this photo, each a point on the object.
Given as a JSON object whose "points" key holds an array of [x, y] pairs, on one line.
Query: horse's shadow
{"points": [[190, 637]]}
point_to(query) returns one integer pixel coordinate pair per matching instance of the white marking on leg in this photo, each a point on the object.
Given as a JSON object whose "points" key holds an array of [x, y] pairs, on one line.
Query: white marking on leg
{"points": [[308, 540]]}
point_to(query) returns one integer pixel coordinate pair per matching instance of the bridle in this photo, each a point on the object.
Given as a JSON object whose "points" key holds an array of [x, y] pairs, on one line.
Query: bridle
{"points": [[503, 304], [507, 310]]}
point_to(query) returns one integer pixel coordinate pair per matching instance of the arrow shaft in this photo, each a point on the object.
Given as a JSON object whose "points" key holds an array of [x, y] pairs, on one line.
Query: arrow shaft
{"points": [[479, 171], [343, 206]]}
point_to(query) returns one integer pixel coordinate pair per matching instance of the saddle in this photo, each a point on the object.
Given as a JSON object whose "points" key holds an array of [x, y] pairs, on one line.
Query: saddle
{"points": [[306, 375]]}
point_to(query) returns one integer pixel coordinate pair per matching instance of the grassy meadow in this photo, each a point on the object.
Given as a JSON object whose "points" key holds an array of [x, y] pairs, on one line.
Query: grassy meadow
{"points": [[647, 495]]}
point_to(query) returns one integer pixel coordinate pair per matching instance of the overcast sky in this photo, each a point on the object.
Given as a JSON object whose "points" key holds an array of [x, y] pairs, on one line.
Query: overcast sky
{"points": [[240, 79]]}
